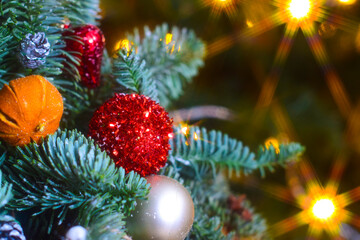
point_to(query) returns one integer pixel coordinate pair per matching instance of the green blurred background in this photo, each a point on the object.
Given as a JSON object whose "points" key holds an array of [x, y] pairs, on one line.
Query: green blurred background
{"points": [[233, 79]]}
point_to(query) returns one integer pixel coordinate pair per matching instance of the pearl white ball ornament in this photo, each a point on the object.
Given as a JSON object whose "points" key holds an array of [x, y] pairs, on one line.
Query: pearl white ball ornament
{"points": [[76, 233], [168, 214]]}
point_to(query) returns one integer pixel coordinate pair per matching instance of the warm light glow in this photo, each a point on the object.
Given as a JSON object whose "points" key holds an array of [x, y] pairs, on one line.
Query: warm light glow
{"points": [[123, 44], [249, 23], [299, 8], [347, 2], [273, 142], [223, 3], [323, 209], [168, 38], [185, 130], [222, 6], [196, 137]]}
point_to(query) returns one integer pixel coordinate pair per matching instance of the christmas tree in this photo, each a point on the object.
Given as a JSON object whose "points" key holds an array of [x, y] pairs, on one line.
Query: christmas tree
{"points": [[93, 144]]}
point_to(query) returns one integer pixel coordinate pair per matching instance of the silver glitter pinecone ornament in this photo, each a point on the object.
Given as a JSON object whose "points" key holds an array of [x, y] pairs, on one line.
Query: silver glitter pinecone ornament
{"points": [[34, 49], [10, 229], [168, 214]]}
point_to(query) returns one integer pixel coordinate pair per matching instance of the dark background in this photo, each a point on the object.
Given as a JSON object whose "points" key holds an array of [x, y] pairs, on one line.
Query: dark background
{"points": [[233, 79]]}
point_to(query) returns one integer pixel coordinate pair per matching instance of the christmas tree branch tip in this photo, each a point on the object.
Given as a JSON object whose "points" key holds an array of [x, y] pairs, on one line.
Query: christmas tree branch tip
{"points": [[198, 152], [173, 57], [132, 73], [270, 156]]}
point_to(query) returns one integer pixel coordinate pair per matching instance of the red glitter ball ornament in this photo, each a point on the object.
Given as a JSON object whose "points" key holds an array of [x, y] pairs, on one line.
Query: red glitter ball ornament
{"points": [[89, 42], [135, 131]]}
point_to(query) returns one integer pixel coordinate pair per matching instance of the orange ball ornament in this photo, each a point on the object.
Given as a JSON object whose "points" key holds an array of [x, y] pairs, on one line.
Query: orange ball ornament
{"points": [[30, 108]]}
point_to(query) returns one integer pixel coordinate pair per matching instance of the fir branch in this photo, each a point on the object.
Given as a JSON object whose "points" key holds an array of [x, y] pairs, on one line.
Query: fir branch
{"points": [[107, 228], [5, 189], [82, 11], [69, 172], [269, 157], [200, 151], [173, 60], [209, 149], [5, 49], [214, 216], [131, 72], [254, 227], [171, 172], [206, 227]]}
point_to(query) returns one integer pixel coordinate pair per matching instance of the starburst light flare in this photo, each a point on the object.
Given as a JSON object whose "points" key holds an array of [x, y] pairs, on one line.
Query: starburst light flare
{"points": [[299, 8], [295, 14], [302, 14], [222, 6], [322, 208]]}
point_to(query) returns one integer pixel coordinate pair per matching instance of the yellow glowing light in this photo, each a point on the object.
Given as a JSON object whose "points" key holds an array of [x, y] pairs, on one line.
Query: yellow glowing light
{"points": [[123, 44], [185, 130], [168, 38], [273, 142], [348, 2], [220, 6], [323, 209], [222, 3], [249, 23], [196, 137], [172, 49], [299, 8]]}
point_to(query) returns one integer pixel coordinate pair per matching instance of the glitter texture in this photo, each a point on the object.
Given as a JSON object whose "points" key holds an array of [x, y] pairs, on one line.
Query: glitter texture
{"points": [[90, 52], [34, 49], [134, 130]]}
